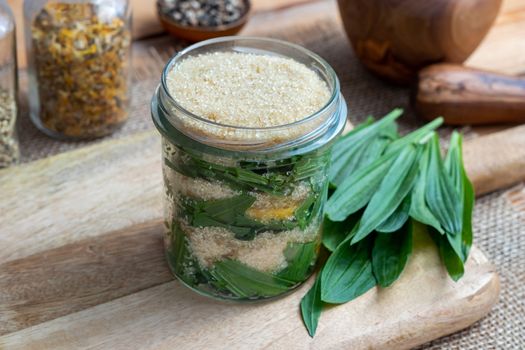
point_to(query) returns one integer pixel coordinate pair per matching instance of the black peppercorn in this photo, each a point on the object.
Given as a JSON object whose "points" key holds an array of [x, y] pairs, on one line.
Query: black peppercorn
{"points": [[202, 13]]}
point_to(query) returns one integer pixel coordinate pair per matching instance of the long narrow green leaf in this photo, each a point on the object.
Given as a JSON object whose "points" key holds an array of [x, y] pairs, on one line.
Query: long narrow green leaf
{"points": [[468, 207], [441, 196], [415, 136], [455, 168], [303, 212], [355, 191], [341, 145], [310, 165], [390, 254], [453, 161], [229, 213], [452, 261], [397, 219], [301, 260], [353, 149], [311, 307], [178, 253], [244, 281], [335, 232], [362, 132], [346, 164], [419, 210], [396, 184], [228, 209], [367, 154], [455, 242], [181, 168], [347, 273], [373, 151]]}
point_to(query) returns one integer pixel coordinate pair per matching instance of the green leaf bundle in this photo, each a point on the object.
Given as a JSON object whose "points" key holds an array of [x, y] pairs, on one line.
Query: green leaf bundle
{"points": [[383, 186]]}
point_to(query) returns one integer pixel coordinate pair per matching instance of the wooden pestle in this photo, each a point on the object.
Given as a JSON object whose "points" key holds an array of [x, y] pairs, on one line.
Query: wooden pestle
{"points": [[470, 96]]}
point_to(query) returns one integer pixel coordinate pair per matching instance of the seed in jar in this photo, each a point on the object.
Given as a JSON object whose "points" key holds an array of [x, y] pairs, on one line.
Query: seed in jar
{"points": [[202, 13]]}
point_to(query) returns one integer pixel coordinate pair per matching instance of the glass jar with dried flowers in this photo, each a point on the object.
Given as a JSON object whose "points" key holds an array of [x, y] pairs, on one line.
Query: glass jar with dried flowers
{"points": [[79, 60], [9, 152]]}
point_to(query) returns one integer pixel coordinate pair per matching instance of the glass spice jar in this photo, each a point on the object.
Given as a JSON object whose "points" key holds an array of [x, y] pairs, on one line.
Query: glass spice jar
{"points": [[244, 204], [79, 65], [9, 150]]}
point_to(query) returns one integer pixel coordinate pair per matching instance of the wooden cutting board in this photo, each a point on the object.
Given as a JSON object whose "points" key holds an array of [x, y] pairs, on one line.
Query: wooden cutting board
{"points": [[82, 266]]}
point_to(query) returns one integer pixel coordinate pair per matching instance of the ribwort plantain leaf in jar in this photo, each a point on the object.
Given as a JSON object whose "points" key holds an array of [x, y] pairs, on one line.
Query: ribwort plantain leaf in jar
{"points": [[247, 127], [79, 66]]}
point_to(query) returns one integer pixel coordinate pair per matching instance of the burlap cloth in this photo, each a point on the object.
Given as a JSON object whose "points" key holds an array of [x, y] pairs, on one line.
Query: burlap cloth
{"points": [[499, 221]]}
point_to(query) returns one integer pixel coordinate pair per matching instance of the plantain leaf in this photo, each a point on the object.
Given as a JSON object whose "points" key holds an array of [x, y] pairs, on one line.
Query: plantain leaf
{"points": [[452, 261], [453, 161], [397, 219], [462, 242], [303, 212], [441, 196], [390, 254], [362, 156], [468, 207], [356, 190], [351, 149], [227, 209], [229, 213], [311, 307], [246, 282], [301, 260], [419, 210], [347, 273], [415, 136], [335, 232], [396, 184], [347, 163], [178, 254]]}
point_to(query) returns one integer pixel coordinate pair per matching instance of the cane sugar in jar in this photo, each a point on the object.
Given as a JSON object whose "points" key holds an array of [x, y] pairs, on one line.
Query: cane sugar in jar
{"points": [[247, 127]]}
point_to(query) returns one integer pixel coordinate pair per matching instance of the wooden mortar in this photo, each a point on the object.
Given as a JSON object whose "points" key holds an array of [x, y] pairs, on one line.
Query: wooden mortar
{"points": [[396, 38]]}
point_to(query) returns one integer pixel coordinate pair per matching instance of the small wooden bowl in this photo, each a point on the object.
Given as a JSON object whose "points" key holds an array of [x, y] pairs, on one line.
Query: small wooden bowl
{"points": [[194, 34]]}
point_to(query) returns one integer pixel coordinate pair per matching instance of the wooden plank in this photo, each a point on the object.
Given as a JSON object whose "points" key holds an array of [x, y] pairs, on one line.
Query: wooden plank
{"points": [[422, 305], [66, 198], [62, 280]]}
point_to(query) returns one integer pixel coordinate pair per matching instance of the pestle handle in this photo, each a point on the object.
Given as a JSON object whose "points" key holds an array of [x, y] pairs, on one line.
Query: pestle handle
{"points": [[468, 96]]}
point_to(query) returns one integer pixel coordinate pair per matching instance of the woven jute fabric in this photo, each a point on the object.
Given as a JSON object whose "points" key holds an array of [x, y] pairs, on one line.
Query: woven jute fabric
{"points": [[498, 221]]}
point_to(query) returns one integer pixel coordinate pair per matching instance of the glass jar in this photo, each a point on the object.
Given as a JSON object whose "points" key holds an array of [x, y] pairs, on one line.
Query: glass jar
{"points": [[9, 151], [79, 65], [244, 205]]}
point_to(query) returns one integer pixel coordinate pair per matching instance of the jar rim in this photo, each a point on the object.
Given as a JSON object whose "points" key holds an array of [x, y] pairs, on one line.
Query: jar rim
{"points": [[175, 59]]}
